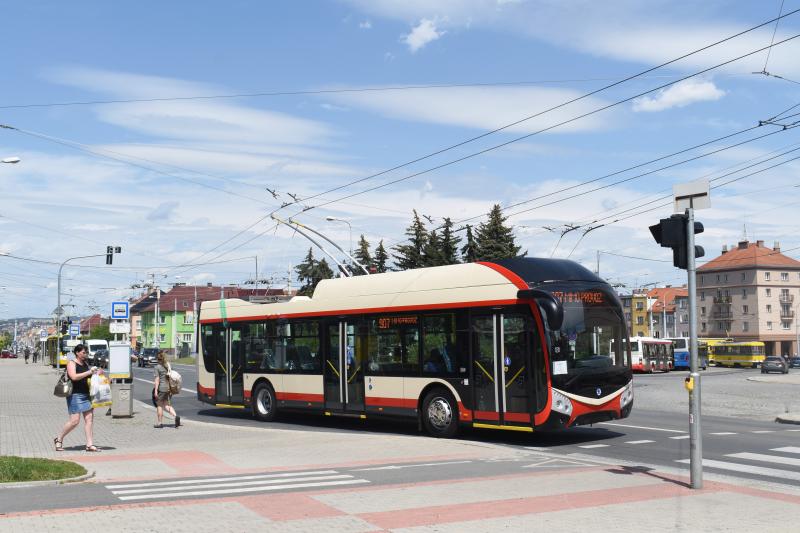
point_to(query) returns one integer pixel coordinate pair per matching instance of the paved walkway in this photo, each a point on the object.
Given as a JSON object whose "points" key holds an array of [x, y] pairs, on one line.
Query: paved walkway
{"points": [[547, 494]]}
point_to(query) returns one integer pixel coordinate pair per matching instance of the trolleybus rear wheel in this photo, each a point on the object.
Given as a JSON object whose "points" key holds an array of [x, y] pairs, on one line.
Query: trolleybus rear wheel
{"points": [[440, 414], [265, 406]]}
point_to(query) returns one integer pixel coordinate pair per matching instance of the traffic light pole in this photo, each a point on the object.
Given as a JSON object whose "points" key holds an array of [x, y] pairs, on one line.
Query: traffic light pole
{"points": [[58, 307], [695, 434]]}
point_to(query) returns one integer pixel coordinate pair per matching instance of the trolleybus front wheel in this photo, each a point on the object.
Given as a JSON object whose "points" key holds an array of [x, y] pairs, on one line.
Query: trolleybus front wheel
{"points": [[265, 407], [440, 414]]}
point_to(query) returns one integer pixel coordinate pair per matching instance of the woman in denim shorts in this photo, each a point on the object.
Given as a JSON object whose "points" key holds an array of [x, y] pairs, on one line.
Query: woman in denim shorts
{"points": [[78, 403]]}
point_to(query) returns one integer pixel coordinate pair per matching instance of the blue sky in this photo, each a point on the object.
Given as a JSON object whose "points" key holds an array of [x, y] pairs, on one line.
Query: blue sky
{"points": [[182, 177]]}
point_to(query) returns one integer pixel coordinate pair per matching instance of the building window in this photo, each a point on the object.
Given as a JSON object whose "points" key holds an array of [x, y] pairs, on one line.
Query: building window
{"points": [[188, 317], [626, 303], [727, 295], [628, 318], [703, 311], [785, 324], [639, 306], [766, 276], [683, 304], [745, 309], [769, 325], [162, 337], [639, 320], [718, 278], [703, 326], [702, 296], [726, 278], [769, 292], [684, 319], [720, 326], [162, 319], [769, 308], [745, 326], [702, 280], [784, 276], [185, 303], [744, 293], [186, 337], [744, 276]]}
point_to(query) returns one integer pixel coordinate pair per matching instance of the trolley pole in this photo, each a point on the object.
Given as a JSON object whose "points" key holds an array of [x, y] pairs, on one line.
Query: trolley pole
{"points": [[695, 432]]}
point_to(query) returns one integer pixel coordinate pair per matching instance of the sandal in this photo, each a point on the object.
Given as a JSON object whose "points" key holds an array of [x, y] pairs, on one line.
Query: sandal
{"points": [[58, 444], [158, 426], [92, 448]]}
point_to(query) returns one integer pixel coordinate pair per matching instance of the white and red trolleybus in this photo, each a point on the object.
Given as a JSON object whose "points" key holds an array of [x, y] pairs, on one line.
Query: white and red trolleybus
{"points": [[518, 344], [651, 354]]}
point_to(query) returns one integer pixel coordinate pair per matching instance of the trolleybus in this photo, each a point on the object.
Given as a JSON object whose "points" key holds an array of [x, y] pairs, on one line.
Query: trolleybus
{"points": [[731, 353], [518, 344], [680, 347], [650, 354]]}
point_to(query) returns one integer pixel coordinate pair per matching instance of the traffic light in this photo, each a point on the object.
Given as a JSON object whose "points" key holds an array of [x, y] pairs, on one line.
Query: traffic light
{"points": [[109, 254], [64, 328], [671, 233]]}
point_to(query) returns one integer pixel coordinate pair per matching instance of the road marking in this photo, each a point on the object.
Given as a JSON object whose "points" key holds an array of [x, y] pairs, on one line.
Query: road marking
{"points": [[787, 449], [260, 482], [758, 470], [244, 489], [537, 448], [641, 427], [398, 467], [680, 437], [766, 458], [219, 479], [588, 446], [151, 382], [764, 431], [639, 441], [724, 433]]}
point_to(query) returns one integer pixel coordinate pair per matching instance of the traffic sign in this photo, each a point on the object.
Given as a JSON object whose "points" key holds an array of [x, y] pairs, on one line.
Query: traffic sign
{"points": [[43, 334], [74, 329], [119, 310], [119, 327]]}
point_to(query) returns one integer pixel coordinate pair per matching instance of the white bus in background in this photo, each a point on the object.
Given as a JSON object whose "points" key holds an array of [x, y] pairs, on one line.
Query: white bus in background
{"points": [[649, 354]]}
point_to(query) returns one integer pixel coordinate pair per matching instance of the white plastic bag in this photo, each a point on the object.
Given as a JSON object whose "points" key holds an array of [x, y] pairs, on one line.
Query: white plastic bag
{"points": [[100, 390]]}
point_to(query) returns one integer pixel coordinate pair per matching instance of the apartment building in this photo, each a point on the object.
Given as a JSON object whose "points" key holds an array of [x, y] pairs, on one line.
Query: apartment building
{"points": [[658, 312], [750, 293]]}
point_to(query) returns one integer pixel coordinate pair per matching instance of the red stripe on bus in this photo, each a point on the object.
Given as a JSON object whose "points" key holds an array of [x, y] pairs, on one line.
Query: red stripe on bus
{"points": [[204, 390], [299, 397], [339, 312], [508, 274], [517, 417], [379, 401], [579, 408], [486, 415], [464, 413]]}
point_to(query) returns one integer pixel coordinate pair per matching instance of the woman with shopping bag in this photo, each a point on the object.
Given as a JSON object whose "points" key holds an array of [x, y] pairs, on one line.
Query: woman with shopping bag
{"points": [[163, 394], [78, 403]]}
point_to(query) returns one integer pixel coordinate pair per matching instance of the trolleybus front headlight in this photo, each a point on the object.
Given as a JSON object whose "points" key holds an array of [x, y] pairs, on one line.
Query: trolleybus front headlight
{"points": [[561, 403], [627, 395]]}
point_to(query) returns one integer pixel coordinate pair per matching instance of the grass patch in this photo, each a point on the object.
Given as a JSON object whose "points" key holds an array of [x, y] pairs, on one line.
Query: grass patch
{"points": [[185, 360], [18, 469]]}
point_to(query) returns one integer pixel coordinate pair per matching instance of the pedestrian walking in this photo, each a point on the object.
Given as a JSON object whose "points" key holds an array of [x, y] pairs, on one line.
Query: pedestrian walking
{"points": [[78, 403], [27, 354], [163, 395]]}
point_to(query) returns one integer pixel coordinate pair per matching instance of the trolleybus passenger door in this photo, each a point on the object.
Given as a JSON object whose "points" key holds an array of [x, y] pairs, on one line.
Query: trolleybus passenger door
{"points": [[502, 391], [344, 374], [229, 373]]}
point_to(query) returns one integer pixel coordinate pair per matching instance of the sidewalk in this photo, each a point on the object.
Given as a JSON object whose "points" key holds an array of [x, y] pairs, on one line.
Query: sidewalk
{"points": [[548, 492]]}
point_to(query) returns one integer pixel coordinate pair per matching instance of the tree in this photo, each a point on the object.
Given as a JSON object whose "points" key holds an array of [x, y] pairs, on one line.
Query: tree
{"points": [[432, 253], [468, 252], [101, 332], [493, 239], [380, 258], [411, 255], [449, 244], [363, 256], [310, 272]]}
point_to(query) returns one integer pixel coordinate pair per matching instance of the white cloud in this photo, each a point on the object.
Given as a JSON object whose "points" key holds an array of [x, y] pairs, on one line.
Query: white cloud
{"points": [[679, 95], [365, 25], [421, 34]]}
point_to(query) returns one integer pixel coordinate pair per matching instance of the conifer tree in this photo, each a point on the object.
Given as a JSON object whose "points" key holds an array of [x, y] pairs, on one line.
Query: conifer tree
{"points": [[468, 250], [449, 244], [310, 272], [432, 253], [493, 239], [411, 255], [380, 258], [363, 256]]}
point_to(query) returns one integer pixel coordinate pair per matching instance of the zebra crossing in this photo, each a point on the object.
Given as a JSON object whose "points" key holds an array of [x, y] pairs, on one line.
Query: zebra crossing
{"points": [[219, 486], [753, 463]]}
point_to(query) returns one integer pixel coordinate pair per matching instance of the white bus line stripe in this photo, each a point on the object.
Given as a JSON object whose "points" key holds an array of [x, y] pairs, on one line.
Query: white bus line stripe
{"points": [[244, 489], [787, 449], [221, 479], [639, 441], [791, 429], [641, 427], [724, 433], [232, 484], [764, 431], [766, 458], [398, 467], [151, 382], [588, 446], [680, 437], [759, 470]]}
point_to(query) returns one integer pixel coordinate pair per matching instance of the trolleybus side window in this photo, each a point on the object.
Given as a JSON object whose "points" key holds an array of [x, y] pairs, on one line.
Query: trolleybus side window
{"points": [[254, 342], [392, 344], [296, 347], [213, 344], [445, 345]]}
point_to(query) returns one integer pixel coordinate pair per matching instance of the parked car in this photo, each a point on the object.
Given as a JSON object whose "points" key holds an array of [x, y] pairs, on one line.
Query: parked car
{"points": [[794, 362], [101, 358], [148, 357], [774, 364], [6, 354]]}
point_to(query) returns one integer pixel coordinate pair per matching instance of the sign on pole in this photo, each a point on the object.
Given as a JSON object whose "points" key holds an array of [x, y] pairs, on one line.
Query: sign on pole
{"points": [[43, 334], [119, 310], [74, 329], [117, 327]]}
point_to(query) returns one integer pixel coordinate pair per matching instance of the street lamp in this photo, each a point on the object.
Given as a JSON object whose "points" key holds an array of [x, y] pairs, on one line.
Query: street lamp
{"points": [[334, 219], [11, 160]]}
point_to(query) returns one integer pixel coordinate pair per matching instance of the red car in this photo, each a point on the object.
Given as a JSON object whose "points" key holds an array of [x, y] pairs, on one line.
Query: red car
{"points": [[6, 354]]}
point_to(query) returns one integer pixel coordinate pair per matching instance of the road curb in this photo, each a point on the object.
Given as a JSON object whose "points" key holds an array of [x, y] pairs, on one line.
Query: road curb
{"points": [[28, 484]]}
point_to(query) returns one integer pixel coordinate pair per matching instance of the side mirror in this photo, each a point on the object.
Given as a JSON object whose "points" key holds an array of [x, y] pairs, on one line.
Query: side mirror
{"points": [[553, 310]]}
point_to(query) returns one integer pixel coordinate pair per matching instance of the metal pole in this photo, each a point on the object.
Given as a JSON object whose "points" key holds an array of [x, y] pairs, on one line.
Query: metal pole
{"points": [[695, 434]]}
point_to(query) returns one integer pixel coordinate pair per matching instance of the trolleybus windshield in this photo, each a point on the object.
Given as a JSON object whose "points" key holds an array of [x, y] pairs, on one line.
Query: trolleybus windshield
{"points": [[590, 340]]}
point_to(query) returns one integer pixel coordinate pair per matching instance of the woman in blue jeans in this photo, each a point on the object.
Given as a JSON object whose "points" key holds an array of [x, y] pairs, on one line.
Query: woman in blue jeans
{"points": [[78, 403]]}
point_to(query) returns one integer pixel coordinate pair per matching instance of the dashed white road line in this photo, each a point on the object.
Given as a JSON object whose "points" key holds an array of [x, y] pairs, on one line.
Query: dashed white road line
{"points": [[764, 431], [639, 441], [787, 449], [588, 446], [724, 433], [680, 437]]}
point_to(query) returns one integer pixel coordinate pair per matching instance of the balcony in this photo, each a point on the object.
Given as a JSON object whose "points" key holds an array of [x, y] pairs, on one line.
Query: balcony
{"points": [[722, 300], [723, 314], [786, 298], [787, 313]]}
